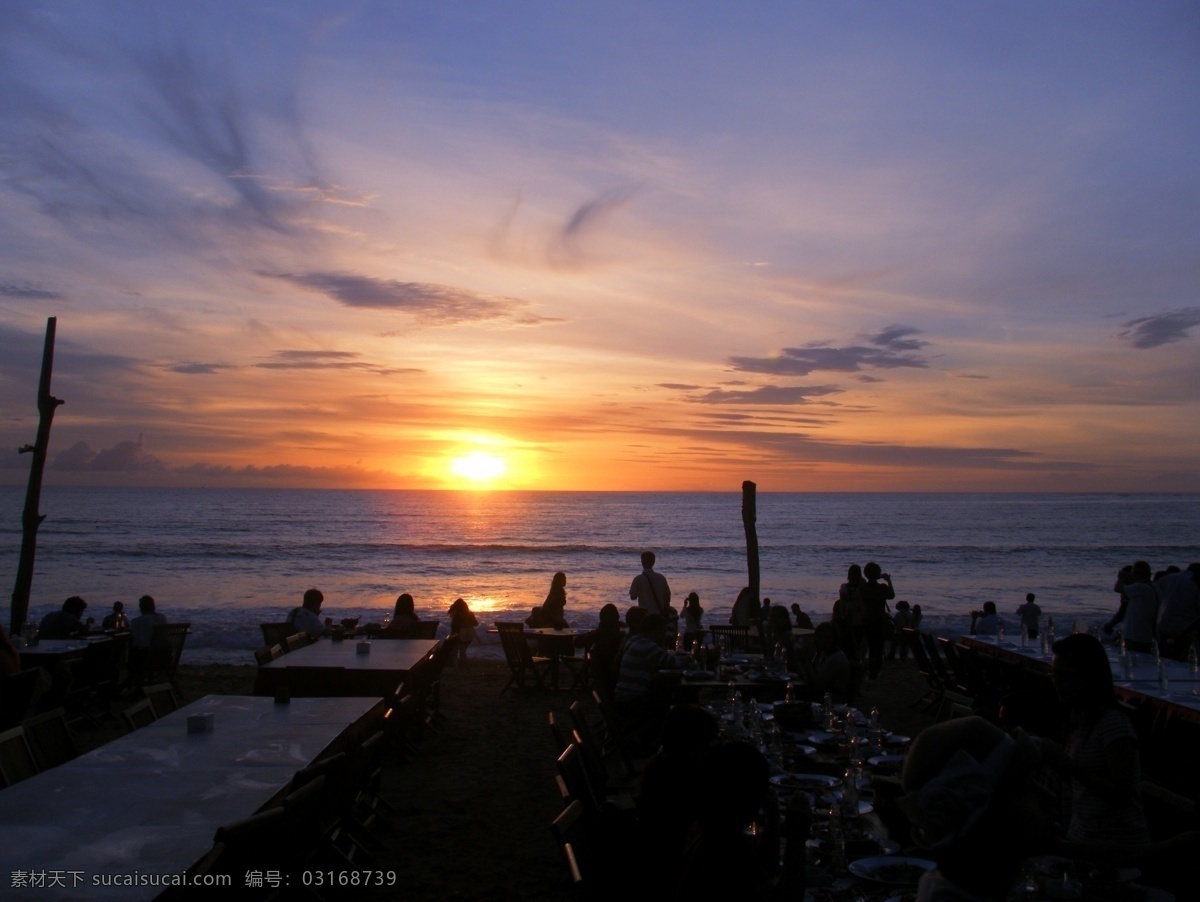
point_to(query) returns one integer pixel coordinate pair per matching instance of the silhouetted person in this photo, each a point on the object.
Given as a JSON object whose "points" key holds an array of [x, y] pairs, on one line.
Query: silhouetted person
{"points": [[1031, 616], [874, 597], [650, 589], [65, 622], [117, 619], [554, 607], [462, 624], [307, 617]]}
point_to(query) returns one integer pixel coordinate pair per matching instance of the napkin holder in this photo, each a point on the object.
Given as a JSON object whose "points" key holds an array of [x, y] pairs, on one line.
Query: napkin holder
{"points": [[200, 723]]}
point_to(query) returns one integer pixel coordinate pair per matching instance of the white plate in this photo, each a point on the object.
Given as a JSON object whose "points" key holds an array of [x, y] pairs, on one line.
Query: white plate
{"points": [[797, 751], [806, 782], [892, 762], [894, 870]]}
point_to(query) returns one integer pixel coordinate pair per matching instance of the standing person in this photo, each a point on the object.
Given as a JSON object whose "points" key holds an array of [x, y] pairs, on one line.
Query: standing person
{"points": [[847, 611], [554, 607], [874, 597], [693, 627], [462, 624], [985, 622], [1030, 615], [1139, 609], [650, 589], [307, 617], [916, 617]]}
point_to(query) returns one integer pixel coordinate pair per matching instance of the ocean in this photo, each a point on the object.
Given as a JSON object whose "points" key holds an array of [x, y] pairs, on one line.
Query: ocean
{"points": [[226, 560]]}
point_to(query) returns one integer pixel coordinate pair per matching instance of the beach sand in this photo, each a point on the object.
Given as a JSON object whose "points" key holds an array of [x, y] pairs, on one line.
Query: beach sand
{"points": [[474, 804]]}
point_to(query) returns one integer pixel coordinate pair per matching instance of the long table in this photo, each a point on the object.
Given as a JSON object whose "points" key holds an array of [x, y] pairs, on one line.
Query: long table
{"points": [[1183, 687], [342, 669], [149, 802]]}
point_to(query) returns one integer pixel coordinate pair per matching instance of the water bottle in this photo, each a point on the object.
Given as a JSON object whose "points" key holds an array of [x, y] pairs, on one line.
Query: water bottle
{"points": [[1162, 676], [1193, 659], [789, 693], [1155, 651], [1127, 659], [1024, 636], [999, 631]]}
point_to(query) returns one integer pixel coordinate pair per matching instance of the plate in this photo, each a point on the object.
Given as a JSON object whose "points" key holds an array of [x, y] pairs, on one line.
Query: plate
{"points": [[820, 738], [805, 782], [887, 762], [896, 739], [799, 751], [894, 870]]}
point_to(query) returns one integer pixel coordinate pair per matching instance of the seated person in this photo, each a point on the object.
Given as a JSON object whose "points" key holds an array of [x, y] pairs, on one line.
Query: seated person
{"points": [[405, 623], [641, 657], [973, 803], [307, 617], [117, 619], [985, 622], [142, 630], [65, 623], [602, 645], [802, 620]]}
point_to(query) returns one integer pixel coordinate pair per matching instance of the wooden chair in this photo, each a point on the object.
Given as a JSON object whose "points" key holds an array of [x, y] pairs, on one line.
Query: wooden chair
{"points": [[50, 738], [139, 714], [295, 641], [267, 654], [737, 638], [556, 734], [574, 774], [162, 697], [275, 633], [933, 678], [522, 663], [609, 735], [16, 695], [568, 831], [17, 762], [166, 648], [426, 629]]}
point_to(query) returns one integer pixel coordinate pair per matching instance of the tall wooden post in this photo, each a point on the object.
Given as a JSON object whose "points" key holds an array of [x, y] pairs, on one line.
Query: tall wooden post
{"points": [[749, 519], [31, 519]]}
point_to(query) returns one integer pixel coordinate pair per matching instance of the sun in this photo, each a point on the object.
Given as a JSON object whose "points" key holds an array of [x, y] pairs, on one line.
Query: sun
{"points": [[479, 467]]}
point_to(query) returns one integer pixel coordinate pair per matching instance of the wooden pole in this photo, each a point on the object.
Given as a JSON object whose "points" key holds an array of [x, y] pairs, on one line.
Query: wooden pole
{"points": [[749, 519], [31, 519]]}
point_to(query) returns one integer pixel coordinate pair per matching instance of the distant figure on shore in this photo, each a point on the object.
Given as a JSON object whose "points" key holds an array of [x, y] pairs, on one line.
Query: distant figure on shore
{"points": [[66, 622], [916, 617], [901, 621], [117, 619], [1031, 616], [307, 617], [1139, 607], [985, 622], [554, 607], [746, 609], [874, 597], [802, 620], [1179, 614], [692, 613], [650, 589], [462, 624]]}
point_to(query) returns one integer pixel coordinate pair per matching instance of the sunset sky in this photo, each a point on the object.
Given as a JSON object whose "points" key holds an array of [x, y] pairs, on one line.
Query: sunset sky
{"points": [[612, 245]]}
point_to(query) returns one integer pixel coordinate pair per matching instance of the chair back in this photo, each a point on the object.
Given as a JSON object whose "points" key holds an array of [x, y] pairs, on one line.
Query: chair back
{"points": [[275, 633], [737, 637], [295, 641], [16, 695], [267, 654], [50, 738], [139, 714], [16, 758], [516, 647], [162, 697], [568, 833], [166, 648]]}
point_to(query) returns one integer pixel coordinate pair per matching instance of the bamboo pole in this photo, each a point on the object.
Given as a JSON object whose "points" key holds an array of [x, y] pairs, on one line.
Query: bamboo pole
{"points": [[749, 519], [31, 519]]}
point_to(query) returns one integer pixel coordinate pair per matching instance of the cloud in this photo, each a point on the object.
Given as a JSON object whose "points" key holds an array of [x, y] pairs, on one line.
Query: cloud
{"points": [[768, 394], [567, 247], [430, 303], [331, 360], [26, 291], [892, 349], [197, 369], [124, 457], [1160, 329]]}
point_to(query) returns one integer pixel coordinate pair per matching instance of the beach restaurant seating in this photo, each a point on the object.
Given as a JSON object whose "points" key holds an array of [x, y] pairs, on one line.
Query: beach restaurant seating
{"points": [[139, 714], [166, 648], [737, 638], [50, 738], [522, 663], [16, 695], [275, 633], [17, 762], [426, 629]]}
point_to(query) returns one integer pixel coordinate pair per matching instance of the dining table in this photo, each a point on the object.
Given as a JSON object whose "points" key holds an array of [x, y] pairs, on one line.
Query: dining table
{"points": [[49, 652], [345, 667], [116, 821]]}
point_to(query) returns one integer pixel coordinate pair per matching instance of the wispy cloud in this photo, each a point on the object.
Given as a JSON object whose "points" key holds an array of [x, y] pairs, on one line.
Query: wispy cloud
{"points": [[1160, 329], [330, 360], [124, 457], [893, 348], [28, 291], [429, 303], [768, 394]]}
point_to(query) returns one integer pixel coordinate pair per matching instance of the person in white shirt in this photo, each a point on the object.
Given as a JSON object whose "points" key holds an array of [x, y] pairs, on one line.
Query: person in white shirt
{"points": [[307, 617], [650, 589], [143, 626]]}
